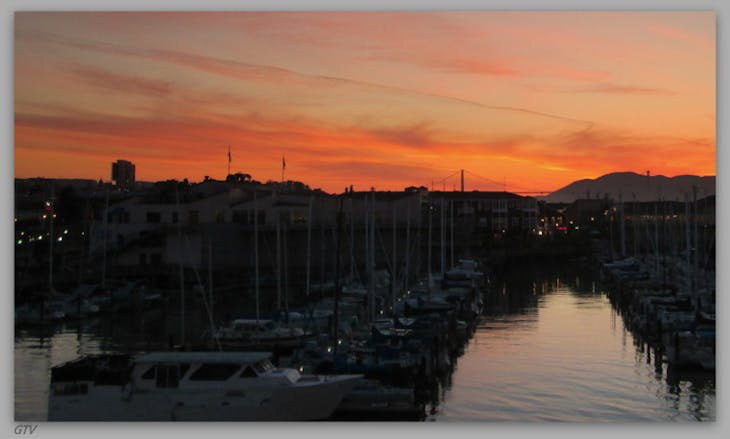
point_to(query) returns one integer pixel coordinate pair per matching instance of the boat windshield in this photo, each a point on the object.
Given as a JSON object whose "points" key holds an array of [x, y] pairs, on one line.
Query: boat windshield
{"points": [[263, 366]]}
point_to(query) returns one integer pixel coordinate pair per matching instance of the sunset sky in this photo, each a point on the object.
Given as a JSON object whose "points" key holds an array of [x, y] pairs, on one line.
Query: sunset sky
{"points": [[530, 100]]}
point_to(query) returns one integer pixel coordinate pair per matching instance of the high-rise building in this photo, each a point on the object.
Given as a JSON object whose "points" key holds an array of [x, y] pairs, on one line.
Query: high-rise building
{"points": [[123, 174]]}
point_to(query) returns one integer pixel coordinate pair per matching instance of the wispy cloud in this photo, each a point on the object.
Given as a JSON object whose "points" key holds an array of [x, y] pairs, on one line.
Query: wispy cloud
{"points": [[121, 83], [603, 88], [272, 74], [609, 88]]}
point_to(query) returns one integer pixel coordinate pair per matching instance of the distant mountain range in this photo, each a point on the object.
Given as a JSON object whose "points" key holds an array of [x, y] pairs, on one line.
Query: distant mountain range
{"points": [[632, 186]]}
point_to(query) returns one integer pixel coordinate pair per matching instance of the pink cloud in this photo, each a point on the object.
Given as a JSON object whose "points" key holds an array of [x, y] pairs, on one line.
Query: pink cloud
{"points": [[122, 83]]}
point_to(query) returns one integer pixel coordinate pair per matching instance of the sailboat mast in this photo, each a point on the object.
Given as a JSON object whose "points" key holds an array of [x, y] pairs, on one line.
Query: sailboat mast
{"points": [[256, 251], [52, 213], [688, 239], [695, 260], [182, 275], [336, 323], [371, 284], [309, 243], [106, 226], [453, 245], [210, 269], [623, 225], [443, 239], [352, 237], [278, 261], [430, 226], [408, 247], [394, 275], [285, 251], [367, 249]]}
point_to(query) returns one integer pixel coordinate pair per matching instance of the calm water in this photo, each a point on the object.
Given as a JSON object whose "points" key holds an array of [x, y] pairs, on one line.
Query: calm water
{"points": [[554, 349], [549, 348]]}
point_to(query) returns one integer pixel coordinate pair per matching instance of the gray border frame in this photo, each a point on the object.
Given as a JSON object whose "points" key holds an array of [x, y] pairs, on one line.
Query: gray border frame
{"points": [[8, 7]]}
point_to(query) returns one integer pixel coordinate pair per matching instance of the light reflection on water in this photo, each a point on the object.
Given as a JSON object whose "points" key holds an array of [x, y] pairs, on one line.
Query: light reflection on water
{"points": [[547, 349], [561, 353]]}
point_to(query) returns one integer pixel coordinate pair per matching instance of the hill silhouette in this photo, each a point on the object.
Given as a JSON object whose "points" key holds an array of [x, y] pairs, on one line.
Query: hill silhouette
{"points": [[632, 186]]}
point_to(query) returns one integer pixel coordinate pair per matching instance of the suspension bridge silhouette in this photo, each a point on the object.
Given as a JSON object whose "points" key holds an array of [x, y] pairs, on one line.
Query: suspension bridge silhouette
{"points": [[493, 184]]}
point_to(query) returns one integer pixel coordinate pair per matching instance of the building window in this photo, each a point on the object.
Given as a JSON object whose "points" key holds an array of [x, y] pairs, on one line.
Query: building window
{"points": [[153, 217], [239, 217]]}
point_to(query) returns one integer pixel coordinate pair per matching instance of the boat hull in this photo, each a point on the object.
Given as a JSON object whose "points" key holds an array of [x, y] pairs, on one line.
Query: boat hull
{"points": [[309, 399]]}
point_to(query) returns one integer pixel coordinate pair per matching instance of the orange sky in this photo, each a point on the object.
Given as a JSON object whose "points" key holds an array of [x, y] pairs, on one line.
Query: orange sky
{"points": [[533, 100]]}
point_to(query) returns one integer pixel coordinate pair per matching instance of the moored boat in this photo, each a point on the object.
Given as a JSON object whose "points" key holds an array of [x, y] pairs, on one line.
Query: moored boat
{"points": [[191, 386]]}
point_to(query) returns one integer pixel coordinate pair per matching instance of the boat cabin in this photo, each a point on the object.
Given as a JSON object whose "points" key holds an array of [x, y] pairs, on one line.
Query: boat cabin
{"points": [[166, 370]]}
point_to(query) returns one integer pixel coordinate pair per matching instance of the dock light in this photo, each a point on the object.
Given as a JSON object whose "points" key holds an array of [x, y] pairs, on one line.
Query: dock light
{"points": [[339, 341], [60, 239], [22, 233], [301, 369], [54, 215], [539, 232], [20, 241], [329, 349], [40, 237], [45, 216], [65, 232]]}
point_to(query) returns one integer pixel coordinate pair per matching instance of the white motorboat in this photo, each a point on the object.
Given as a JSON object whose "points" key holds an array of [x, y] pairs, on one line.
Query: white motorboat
{"points": [[191, 386]]}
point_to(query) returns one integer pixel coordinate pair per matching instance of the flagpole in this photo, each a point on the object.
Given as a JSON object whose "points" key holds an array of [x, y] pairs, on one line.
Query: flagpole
{"points": [[283, 167]]}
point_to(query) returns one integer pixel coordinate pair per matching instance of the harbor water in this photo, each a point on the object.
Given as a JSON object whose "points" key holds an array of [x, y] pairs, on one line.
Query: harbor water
{"points": [[549, 347]]}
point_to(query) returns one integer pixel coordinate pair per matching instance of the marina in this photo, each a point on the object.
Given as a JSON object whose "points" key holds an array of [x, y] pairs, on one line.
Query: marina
{"points": [[547, 335]]}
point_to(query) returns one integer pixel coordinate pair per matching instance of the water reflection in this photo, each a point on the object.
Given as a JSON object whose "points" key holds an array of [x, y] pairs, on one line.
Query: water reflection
{"points": [[549, 347]]}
